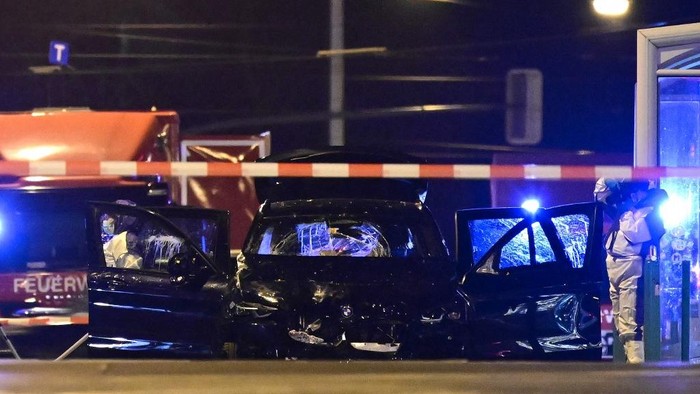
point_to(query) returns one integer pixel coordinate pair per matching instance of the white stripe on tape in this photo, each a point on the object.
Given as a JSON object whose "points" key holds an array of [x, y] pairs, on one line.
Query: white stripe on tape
{"points": [[475, 171], [533, 171], [189, 169], [259, 169], [613, 172], [47, 168], [326, 170], [125, 168], [401, 170]]}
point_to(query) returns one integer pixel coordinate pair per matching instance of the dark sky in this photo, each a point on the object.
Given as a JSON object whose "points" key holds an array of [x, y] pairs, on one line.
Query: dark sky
{"points": [[246, 66]]}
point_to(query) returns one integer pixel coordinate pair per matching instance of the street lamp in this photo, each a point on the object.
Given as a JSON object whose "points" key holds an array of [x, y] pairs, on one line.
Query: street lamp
{"points": [[611, 8]]}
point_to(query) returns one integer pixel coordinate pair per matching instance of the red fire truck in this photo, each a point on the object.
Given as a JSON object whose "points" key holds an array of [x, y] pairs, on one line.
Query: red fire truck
{"points": [[42, 236]]}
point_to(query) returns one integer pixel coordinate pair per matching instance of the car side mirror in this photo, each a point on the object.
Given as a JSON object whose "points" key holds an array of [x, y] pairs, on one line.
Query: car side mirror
{"points": [[184, 269]]}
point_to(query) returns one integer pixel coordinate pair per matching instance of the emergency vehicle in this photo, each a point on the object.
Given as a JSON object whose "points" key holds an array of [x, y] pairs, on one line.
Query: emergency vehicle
{"points": [[42, 235]]}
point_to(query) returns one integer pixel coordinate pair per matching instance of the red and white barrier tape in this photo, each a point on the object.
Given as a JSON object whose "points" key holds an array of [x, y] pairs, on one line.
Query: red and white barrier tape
{"points": [[339, 170], [78, 318]]}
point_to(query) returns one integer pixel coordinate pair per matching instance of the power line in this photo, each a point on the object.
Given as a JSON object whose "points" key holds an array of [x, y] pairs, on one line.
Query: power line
{"points": [[153, 26], [323, 116], [184, 41], [424, 78]]}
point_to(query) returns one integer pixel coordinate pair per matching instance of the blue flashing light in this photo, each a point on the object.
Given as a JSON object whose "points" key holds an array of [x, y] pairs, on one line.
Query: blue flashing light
{"points": [[675, 211], [531, 205]]}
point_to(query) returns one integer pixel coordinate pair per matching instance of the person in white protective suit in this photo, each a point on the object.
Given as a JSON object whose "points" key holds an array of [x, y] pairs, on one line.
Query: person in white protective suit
{"points": [[635, 225], [121, 251]]}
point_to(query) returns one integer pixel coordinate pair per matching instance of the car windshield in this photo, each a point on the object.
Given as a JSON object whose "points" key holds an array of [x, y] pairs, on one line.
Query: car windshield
{"points": [[341, 236]]}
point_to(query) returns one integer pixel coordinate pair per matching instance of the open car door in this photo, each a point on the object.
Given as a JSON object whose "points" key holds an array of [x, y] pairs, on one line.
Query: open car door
{"points": [[158, 281], [533, 281]]}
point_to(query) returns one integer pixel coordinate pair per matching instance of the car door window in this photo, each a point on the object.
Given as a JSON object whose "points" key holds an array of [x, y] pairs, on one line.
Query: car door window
{"points": [[485, 233], [137, 241], [492, 239], [517, 252], [572, 231], [202, 231]]}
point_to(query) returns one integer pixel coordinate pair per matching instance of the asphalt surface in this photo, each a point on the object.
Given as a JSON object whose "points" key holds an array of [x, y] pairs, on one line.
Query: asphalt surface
{"points": [[136, 376], [76, 374]]}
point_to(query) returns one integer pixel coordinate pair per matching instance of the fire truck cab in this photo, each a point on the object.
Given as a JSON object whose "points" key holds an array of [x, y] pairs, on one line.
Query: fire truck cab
{"points": [[42, 235]]}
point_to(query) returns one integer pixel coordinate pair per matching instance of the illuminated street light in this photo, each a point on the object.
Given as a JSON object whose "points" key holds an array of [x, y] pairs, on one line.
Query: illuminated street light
{"points": [[611, 7]]}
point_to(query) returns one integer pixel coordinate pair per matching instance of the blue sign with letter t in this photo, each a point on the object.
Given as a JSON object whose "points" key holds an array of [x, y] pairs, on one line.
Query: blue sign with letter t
{"points": [[59, 52]]}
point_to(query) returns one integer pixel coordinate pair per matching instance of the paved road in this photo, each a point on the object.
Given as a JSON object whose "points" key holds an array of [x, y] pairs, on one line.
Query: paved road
{"points": [[133, 376]]}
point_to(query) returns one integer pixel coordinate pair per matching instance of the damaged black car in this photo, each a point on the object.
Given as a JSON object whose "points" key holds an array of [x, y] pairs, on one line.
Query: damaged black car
{"points": [[346, 268], [342, 275]]}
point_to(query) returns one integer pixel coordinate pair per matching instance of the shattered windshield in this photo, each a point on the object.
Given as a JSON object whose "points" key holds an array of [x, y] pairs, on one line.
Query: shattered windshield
{"points": [[340, 236]]}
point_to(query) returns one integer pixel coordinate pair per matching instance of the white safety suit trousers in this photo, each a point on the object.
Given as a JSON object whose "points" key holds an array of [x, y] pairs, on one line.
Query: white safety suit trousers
{"points": [[624, 274]]}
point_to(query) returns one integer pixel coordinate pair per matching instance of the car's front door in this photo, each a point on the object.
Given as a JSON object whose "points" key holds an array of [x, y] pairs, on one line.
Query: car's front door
{"points": [[158, 280], [533, 282]]}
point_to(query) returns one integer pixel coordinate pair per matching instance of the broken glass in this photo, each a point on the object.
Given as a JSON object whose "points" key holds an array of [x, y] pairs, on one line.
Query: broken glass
{"points": [[485, 233], [333, 237], [572, 230]]}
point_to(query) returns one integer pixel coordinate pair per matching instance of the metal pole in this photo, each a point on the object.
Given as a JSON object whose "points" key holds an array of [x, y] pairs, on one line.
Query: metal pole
{"points": [[8, 343], [336, 124], [652, 311], [618, 350], [685, 311], [73, 347]]}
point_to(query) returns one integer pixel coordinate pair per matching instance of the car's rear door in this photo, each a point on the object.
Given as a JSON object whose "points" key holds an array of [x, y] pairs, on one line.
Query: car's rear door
{"points": [[533, 280], [162, 293]]}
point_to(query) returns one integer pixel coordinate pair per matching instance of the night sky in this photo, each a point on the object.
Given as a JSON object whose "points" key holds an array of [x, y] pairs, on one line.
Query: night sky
{"points": [[249, 66]]}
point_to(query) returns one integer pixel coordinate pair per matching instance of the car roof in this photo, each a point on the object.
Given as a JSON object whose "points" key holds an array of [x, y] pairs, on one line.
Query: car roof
{"points": [[389, 189], [341, 205]]}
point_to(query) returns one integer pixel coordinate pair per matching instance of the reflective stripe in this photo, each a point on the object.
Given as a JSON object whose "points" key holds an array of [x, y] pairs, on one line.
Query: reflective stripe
{"points": [[339, 170], [77, 319]]}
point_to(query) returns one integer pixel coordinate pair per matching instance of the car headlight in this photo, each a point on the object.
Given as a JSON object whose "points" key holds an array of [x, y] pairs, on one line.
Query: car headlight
{"points": [[433, 316], [263, 292], [454, 315], [453, 311], [346, 311], [251, 309]]}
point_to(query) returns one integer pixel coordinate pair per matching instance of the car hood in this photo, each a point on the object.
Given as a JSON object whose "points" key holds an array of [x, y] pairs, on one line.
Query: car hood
{"points": [[280, 281]]}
